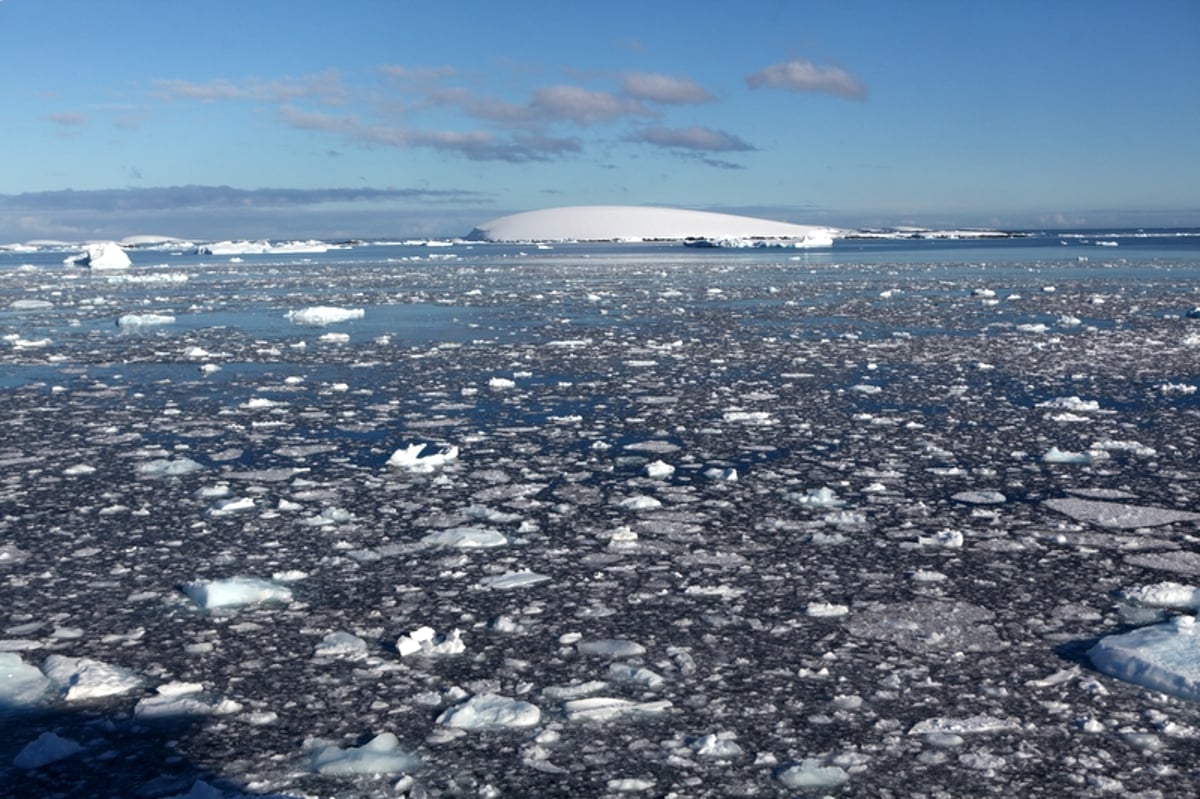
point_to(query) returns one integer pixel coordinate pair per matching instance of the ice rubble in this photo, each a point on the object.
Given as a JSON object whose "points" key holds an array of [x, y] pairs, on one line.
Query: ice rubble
{"points": [[381, 755]]}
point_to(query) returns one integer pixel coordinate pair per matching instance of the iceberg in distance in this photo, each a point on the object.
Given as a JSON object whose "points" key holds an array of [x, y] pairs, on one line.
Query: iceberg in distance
{"points": [[640, 223]]}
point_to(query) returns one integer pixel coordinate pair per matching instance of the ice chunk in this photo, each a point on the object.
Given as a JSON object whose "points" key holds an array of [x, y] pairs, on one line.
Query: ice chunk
{"points": [[501, 384], [1164, 595], [425, 641], [826, 610], [413, 458], [1118, 515], [235, 592], [490, 711], [510, 580], [102, 255], [962, 726], [657, 470], [1071, 404], [811, 773], [823, 497], [611, 648], [20, 683], [607, 708], [718, 745], [167, 467], [322, 315], [46, 749], [341, 645], [381, 755], [179, 699], [466, 538], [145, 320], [81, 679], [1056, 455], [639, 502], [985, 497], [1163, 657]]}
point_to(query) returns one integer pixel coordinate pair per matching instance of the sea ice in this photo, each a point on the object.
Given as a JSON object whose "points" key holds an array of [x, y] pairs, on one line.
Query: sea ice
{"points": [[235, 592], [80, 679], [1163, 657], [46, 749], [511, 580], [20, 683], [425, 641], [1164, 595], [180, 699], [381, 755], [466, 538], [167, 467], [607, 708], [962, 726], [322, 315], [490, 711], [611, 648], [102, 255], [145, 320], [811, 773], [341, 645]]}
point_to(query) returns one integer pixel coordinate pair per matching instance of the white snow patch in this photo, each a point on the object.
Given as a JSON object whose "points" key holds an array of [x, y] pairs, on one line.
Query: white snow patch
{"points": [[1164, 595]]}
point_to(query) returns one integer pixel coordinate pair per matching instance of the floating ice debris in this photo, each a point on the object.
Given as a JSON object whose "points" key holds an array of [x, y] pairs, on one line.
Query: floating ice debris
{"points": [[1134, 447], [635, 675], [30, 305], [145, 320], [424, 641], [47, 748], [1177, 388], [866, 388], [79, 469], [728, 473], [1056, 455], [414, 459], [180, 699], [985, 293], [1071, 404], [1163, 657], [811, 773], [826, 610], [20, 683], [225, 507], [1033, 327], [1164, 595], [335, 338], [949, 539], [980, 497], [611, 648], [341, 645], [167, 467], [1118, 515], [490, 711], [962, 726], [657, 470], [749, 417], [607, 708], [80, 679], [639, 502], [235, 592], [322, 315], [466, 538], [629, 785], [511, 580], [381, 755], [823, 497]]}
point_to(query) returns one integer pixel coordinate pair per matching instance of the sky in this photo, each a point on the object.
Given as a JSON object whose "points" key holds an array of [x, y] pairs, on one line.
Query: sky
{"points": [[381, 118]]}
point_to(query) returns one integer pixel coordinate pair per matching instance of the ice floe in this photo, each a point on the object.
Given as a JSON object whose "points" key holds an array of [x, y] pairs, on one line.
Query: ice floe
{"points": [[380, 755], [235, 592], [1162, 657], [491, 711], [322, 315]]}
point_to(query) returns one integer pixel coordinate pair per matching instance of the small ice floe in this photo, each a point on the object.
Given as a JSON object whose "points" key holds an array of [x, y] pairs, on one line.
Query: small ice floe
{"points": [[1033, 327], [511, 580], [1074, 404], [466, 538], [1118, 515], [489, 712], [183, 699], [984, 293], [227, 507], [235, 592], [425, 641], [79, 469], [607, 708], [629, 784], [726, 474], [322, 315], [657, 470], [1163, 657], [135, 320], [826, 610], [946, 539], [1180, 389], [717, 745], [985, 497], [748, 417], [501, 384], [811, 774], [639, 502], [47, 748], [21, 684], [167, 467], [969, 725], [335, 338], [1056, 455], [341, 645], [81, 679], [635, 675], [414, 457], [1163, 595], [381, 755], [611, 648]]}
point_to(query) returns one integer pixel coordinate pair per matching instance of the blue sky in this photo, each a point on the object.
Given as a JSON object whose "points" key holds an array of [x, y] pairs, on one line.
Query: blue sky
{"points": [[385, 118]]}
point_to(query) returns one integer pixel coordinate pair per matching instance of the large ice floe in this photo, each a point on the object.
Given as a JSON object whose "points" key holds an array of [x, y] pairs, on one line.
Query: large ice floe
{"points": [[601, 520]]}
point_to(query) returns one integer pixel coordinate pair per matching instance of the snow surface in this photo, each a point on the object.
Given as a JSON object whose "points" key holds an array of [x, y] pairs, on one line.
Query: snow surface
{"points": [[643, 223], [746, 523]]}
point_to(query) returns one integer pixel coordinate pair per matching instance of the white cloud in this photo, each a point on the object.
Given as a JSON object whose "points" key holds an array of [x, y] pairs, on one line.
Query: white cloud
{"points": [[657, 88], [583, 106], [693, 138], [799, 75]]}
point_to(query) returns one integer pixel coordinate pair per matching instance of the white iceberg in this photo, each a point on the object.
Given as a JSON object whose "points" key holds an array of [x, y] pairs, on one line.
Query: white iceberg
{"points": [[381, 755], [235, 592], [1163, 657], [102, 255], [133, 320], [638, 223], [424, 641], [80, 679]]}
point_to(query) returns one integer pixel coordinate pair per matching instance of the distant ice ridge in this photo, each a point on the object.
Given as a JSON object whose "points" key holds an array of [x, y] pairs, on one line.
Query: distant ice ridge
{"points": [[637, 223], [262, 246]]}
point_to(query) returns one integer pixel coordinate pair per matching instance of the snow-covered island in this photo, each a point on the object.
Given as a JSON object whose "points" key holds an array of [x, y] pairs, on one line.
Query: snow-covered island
{"points": [[630, 223]]}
